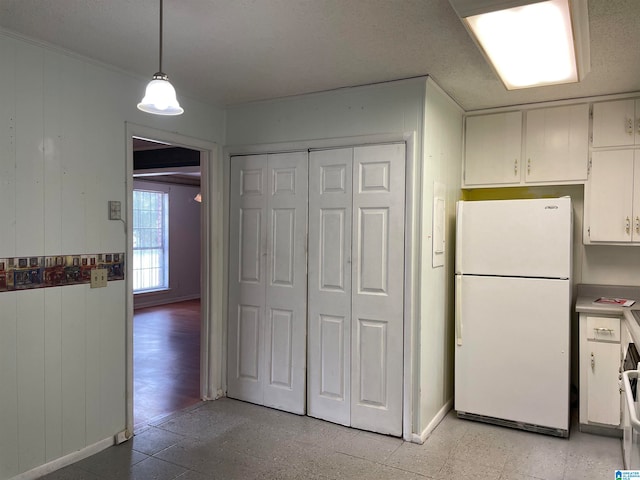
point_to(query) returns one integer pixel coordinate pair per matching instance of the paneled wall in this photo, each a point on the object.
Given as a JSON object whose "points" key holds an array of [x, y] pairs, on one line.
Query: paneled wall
{"points": [[62, 157]]}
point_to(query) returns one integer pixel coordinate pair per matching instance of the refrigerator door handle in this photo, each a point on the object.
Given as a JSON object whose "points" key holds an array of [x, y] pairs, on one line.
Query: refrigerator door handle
{"points": [[458, 312]]}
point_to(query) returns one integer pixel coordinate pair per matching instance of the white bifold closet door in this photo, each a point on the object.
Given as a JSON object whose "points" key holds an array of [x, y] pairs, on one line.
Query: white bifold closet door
{"points": [[356, 286], [268, 281]]}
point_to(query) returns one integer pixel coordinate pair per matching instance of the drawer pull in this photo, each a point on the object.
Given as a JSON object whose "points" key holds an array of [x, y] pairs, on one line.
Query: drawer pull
{"points": [[593, 361], [608, 331]]}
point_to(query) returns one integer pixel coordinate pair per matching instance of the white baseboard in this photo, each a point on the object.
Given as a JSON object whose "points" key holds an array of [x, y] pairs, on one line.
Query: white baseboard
{"points": [[435, 421], [150, 301], [61, 462]]}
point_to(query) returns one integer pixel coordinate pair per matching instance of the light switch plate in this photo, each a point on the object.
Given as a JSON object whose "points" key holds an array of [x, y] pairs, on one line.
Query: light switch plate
{"points": [[115, 210], [99, 277]]}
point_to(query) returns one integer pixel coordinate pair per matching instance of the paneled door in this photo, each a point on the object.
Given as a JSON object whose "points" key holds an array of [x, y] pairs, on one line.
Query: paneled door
{"points": [[267, 280], [356, 286], [330, 217]]}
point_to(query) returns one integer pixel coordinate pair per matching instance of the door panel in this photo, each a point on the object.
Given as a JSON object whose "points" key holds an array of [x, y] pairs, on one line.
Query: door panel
{"points": [[330, 218], [286, 289], [378, 292], [332, 248], [512, 361], [521, 238], [247, 346], [250, 234], [247, 227], [281, 348], [373, 248], [636, 195], [267, 280], [611, 195], [372, 346], [603, 405], [283, 254], [332, 358]]}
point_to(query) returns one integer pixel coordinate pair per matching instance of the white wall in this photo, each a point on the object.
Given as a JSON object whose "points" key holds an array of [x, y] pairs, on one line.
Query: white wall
{"points": [[442, 153], [62, 157], [184, 245], [395, 107]]}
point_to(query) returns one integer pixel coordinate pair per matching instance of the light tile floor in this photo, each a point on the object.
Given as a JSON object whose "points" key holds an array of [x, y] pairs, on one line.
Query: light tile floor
{"points": [[228, 439]]}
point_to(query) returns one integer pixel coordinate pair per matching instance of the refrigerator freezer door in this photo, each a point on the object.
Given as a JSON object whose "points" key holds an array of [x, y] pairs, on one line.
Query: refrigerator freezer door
{"points": [[523, 238], [513, 360]]}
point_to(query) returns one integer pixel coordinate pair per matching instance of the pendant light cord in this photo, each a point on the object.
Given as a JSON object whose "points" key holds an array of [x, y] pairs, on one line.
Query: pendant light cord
{"points": [[160, 62]]}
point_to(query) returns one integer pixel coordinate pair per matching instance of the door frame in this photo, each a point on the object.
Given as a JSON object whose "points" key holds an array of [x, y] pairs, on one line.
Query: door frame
{"points": [[212, 281], [411, 257]]}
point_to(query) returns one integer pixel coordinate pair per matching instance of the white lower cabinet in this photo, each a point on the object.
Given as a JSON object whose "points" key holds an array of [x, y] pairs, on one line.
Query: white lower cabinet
{"points": [[600, 360]]}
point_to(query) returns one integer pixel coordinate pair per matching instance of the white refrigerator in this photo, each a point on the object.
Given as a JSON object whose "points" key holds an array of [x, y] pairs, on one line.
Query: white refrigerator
{"points": [[513, 310]]}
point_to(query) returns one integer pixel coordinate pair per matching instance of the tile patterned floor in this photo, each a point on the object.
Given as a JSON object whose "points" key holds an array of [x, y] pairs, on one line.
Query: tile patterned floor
{"points": [[228, 439]]}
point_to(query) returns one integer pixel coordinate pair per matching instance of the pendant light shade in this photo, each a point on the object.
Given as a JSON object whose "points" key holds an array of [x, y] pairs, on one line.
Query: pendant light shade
{"points": [[160, 96]]}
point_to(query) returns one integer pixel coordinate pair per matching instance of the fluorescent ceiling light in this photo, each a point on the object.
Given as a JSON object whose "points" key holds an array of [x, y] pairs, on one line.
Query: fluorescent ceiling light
{"points": [[533, 45]]}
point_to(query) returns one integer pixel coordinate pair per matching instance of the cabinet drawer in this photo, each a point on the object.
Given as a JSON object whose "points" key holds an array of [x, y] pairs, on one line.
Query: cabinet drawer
{"points": [[604, 329]]}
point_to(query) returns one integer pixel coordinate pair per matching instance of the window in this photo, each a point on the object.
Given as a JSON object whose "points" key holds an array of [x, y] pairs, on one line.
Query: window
{"points": [[150, 241]]}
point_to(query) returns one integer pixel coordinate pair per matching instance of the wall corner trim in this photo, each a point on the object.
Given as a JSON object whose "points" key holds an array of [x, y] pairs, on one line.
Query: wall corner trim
{"points": [[435, 421]]}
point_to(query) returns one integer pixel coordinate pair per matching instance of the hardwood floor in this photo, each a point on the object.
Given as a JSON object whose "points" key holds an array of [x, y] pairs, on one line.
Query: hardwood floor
{"points": [[166, 359]]}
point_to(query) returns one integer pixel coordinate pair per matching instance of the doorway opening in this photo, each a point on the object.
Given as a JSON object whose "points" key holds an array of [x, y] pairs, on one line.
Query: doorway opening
{"points": [[210, 271], [166, 281]]}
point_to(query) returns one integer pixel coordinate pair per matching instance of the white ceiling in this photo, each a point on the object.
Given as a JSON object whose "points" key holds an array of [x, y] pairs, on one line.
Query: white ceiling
{"points": [[233, 51]]}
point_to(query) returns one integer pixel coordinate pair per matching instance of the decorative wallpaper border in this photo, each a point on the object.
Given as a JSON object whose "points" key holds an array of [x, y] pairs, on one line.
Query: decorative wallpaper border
{"points": [[25, 273]]}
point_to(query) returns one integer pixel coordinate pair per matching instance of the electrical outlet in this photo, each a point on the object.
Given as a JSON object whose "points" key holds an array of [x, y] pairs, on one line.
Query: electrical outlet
{"points": [[99, 277]]}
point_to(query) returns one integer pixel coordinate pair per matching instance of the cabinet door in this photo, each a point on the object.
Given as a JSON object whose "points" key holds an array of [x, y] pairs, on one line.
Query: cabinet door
{"points": [[636, 198], [492, 149], [610, 196], [557, 144], [613, 123], [603, 394]]}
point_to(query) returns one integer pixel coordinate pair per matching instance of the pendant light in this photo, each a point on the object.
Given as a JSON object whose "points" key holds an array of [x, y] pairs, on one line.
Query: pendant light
{"points": [[160, 96]]}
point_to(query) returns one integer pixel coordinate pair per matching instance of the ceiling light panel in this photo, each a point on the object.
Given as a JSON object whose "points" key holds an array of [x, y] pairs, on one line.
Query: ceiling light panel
{"points": [[531, 45]]}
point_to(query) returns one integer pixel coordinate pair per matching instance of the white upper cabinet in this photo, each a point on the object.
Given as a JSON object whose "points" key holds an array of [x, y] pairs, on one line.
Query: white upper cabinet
{"points": [[612, 206], [557, 144], [492, 149], [616, 123]]}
